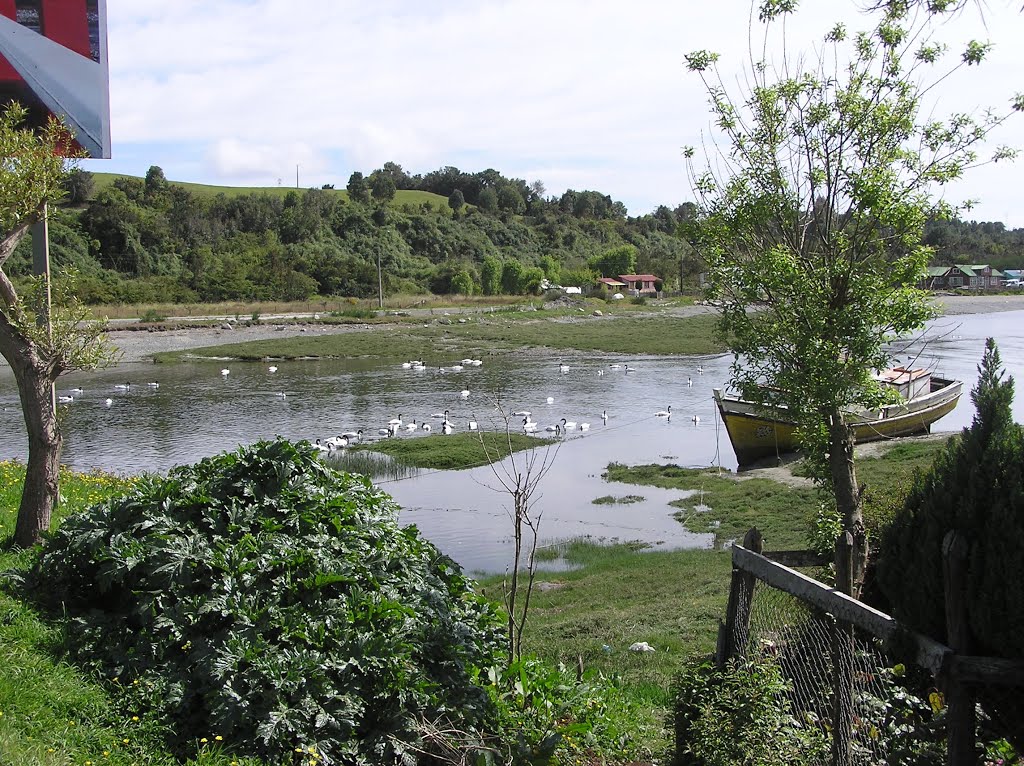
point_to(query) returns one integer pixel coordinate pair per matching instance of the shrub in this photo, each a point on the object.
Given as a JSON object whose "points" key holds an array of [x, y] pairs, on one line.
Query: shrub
{"points": [[738, 715], [277, 603], [152, 315], [975, 487]]}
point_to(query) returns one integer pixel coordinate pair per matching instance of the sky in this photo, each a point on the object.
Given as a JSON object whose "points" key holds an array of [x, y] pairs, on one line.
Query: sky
{"points": [[580, 94]]}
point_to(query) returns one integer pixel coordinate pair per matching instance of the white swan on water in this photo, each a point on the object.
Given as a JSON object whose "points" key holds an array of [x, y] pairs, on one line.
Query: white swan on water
{"points": [[664, 413]]}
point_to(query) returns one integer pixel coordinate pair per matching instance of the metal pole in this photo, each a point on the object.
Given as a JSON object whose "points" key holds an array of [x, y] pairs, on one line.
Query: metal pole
{"points": [[380, 284], [41, 268]]}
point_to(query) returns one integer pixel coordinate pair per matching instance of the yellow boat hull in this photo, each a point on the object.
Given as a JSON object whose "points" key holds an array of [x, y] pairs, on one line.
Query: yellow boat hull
{"points": [[755, 435]]}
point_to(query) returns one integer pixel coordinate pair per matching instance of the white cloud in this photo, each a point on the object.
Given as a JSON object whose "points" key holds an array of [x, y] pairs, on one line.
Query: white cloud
{"points": [[579, 93]]}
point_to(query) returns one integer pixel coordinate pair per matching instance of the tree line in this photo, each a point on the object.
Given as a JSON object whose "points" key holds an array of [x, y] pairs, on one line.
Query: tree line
{"points": [[139, 240]]}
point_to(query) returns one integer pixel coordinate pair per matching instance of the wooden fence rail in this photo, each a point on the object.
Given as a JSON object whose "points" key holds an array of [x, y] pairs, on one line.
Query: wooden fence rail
{"points": [[953, 668]]}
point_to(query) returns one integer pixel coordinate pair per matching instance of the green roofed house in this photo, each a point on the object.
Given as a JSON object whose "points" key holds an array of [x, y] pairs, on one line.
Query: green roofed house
{"points": [[972, 276]]}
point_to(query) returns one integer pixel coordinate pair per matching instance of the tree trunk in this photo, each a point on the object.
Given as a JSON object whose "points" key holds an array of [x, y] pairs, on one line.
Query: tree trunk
{"points": [[42, 475], [848, 496]]}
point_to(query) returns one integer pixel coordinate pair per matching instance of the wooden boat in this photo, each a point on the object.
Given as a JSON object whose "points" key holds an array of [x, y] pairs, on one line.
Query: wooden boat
{"points": [[757, 432]]}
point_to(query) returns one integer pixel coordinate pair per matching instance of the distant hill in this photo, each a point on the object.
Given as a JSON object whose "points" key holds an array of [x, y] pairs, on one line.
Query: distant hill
{"points": [[205, 191]]}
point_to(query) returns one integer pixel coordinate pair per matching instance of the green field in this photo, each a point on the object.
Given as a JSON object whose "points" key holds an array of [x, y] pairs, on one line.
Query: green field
{"points": [[402, 197]]}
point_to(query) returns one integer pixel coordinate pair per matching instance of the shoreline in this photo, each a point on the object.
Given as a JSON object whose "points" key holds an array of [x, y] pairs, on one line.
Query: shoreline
{"points": [[138, 345]]}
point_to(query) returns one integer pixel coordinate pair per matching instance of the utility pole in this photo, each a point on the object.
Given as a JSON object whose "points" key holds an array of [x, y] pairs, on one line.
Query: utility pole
{"points": [[296, 175], [380, 283]]}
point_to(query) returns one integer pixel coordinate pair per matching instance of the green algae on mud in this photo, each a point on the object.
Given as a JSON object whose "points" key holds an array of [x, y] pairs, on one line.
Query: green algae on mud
{"points": [[438, 343]]}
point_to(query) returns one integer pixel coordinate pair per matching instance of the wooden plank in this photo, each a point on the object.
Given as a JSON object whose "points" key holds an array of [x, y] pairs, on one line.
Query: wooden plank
{"points": [[797, 558], [987, 670], [930, 653]]}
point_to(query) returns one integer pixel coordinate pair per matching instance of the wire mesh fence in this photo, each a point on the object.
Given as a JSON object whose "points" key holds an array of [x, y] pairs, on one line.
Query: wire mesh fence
{"points": [[844, 687]]}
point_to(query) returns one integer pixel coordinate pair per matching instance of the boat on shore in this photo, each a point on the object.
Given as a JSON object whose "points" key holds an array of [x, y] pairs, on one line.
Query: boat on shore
{"points": [[757, 432]]}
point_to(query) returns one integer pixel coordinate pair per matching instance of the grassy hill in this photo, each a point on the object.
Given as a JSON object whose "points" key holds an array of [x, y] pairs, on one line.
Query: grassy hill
{"points": [[413, 198]]}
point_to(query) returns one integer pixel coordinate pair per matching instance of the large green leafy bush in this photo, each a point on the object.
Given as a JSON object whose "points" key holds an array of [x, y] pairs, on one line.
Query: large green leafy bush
{"points": [[975, 487], [276, 603]]}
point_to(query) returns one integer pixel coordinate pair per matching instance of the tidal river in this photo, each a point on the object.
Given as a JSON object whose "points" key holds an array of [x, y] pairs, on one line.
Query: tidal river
{"points": [[196, 411]]}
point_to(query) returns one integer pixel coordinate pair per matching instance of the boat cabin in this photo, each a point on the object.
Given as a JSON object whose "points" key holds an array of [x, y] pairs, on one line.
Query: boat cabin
{"points": [[910, 383]]}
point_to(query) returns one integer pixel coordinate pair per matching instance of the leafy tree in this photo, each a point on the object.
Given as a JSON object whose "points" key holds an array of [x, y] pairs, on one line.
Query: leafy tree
{"points": [[818, 222], [39, 342], [618, 260], [488, 201], [456, 201], [358, 189], [394, 171], [530, 279], [382, 187], [490, 275], [78, 186], [510, 200], [462, 283], [511, 277], [156, 181], [577, 277], [552, 268]]}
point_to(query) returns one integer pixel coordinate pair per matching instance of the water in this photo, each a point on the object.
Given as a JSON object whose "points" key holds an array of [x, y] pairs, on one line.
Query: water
{"points": [[196, 412]]}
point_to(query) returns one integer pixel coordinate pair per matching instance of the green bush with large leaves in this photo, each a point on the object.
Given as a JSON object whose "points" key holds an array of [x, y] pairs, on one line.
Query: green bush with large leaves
{"points": [[276, 603]]}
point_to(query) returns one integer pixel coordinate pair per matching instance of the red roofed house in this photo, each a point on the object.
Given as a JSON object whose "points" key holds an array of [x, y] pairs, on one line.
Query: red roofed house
{"points": [[640, 284], [612, 284]]}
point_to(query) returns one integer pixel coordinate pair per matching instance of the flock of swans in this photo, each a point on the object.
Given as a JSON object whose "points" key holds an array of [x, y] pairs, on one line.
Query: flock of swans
{"points": [[400, 425]]}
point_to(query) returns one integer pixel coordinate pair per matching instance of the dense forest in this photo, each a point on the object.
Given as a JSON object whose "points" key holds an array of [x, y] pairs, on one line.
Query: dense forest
{"points": [[133, 240]]}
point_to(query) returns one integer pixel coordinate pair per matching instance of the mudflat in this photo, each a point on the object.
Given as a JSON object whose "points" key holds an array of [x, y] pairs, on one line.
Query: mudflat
{"points": [[138, 344]]}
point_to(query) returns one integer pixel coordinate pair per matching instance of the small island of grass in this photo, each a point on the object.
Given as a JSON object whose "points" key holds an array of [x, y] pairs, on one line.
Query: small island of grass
{"points": [[455, 451]]}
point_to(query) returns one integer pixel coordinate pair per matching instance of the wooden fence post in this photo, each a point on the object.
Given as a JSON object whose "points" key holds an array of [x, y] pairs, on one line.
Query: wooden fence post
{"points": [[842, 659], [959, 696], [733, 635]]}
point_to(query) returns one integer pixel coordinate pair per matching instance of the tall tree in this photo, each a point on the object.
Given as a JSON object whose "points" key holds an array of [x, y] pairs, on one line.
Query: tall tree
{"points": [[817, 217], [358, 189], [382, 187], [32, 174], [456, 201]]}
